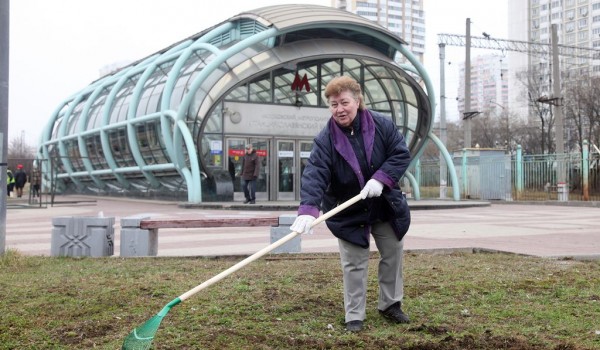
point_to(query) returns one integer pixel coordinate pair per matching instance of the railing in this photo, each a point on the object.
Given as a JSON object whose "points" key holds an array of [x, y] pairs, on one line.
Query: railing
{"points": [[515, 178]]}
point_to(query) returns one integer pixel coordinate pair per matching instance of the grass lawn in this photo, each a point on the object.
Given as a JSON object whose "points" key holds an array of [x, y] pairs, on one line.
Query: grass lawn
{"points": [[456, 301]]}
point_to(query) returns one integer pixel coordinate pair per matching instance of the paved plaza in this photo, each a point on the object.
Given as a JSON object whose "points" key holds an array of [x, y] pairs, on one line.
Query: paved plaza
{"points": [[437, 226]]}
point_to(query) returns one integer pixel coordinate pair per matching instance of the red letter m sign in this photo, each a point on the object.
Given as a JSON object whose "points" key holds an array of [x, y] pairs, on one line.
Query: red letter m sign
{"points": [[298, 83]]}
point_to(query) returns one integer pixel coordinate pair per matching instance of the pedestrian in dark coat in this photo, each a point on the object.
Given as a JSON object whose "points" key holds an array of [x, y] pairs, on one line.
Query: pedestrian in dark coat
{"points": [[20, 180], [250, 171], [359, 151]]}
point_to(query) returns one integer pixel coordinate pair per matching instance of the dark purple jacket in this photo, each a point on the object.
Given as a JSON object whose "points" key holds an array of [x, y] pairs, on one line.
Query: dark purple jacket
{"points": [[333, 175]]}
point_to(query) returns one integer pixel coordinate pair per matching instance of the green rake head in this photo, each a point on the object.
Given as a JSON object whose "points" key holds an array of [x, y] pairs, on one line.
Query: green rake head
{"points": [[141, 337]]}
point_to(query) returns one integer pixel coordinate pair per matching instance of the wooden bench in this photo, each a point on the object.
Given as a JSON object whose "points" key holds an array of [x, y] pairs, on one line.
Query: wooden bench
{"points": [[148, 224], [139, 235]]}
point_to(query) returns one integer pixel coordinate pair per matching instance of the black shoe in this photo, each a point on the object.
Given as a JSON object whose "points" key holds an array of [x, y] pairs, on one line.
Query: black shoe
{"points": [[246, 201], [253, 202], [395, 313], [354, 326]]}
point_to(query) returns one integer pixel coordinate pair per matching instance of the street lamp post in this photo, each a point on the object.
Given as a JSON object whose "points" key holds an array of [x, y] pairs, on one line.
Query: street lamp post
{"points": [[507, 139]]}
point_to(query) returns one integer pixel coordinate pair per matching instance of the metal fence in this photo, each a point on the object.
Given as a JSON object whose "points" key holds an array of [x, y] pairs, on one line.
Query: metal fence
{"points": [[494, 175]]}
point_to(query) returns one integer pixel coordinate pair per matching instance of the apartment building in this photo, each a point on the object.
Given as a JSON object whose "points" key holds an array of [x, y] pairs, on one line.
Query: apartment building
{"points": [[489, 85], [405, 18], [578, 25]]}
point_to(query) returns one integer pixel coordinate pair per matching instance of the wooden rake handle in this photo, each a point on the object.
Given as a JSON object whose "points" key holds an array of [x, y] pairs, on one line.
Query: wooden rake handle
{"points": [[267, 249]]}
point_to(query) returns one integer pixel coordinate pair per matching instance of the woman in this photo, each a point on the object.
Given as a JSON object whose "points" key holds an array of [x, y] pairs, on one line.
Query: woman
{"points": [[359, 151]]}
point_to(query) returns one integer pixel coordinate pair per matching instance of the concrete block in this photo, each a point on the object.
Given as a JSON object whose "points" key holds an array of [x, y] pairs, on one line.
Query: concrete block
{"points": [[292, 246], [287, 219], [136, 241], [82, 236]]}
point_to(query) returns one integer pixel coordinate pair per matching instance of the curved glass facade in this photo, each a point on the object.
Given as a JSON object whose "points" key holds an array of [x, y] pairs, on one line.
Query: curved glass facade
{"points": [[174, 124]]}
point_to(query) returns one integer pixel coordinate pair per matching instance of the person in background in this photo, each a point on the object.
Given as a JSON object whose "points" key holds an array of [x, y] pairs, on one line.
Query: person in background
{"points": [[359, 152], [35, 182], [10, 182], [250, 171], [231, 169], [20, 180]]}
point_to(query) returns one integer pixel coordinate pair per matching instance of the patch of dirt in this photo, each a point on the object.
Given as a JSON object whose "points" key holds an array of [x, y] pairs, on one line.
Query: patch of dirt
{"points": [[433, 330], [80, 332], [486, 343]]}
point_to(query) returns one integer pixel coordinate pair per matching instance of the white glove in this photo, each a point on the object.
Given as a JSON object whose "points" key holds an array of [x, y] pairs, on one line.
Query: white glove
{"points": [[303, 224], [373, 188]]}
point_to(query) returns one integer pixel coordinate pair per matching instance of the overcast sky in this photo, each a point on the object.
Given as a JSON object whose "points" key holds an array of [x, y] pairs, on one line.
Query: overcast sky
{"points": [[57, 47]]}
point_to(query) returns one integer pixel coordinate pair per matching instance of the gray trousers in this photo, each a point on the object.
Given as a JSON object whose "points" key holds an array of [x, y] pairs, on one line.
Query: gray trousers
{"points": [[355, 263]]}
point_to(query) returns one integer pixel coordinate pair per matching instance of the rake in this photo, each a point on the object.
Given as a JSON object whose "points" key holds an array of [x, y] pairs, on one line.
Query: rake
{"points": [[141, 337]]}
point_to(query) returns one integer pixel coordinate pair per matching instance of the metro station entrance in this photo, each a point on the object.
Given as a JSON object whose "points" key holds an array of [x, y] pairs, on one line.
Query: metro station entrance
{"points": [[282, 162]]}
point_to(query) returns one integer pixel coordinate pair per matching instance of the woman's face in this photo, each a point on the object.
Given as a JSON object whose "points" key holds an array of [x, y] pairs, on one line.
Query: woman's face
{"points": [[344, 108]]}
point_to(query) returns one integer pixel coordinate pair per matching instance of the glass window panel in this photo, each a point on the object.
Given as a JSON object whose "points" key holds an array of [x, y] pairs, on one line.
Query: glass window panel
{"points": [[310, 100], [379, 71], [160, 152], [283, 80], [192, 64], [329, 70], [95, 112], [354, 73], [141, 108], [154, 100], [124, 108], [57, 125], [114, 115], [260, 91], [399, 77], [56, 159], [383, 107], [74, 155], [351, 64], [179, 90], [74, 122], [153, 152], [399, 114], [392, 89], [120, 148], [409, 94], [375, 91], [214, 124], [285, 160], [95, 152], [99, 107], [240, 93], [193, 77], [91, 122], [96, 116], [412, 115], [145, 142]]}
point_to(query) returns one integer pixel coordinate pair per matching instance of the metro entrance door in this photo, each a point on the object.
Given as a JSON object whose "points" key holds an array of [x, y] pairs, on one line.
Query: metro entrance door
{"points": [[304, 154], [286, 170], [235, 152], [292, 157]]}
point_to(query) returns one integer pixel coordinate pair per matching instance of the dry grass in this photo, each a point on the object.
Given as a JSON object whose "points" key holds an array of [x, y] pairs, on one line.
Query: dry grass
{"points": [[458, 301]]}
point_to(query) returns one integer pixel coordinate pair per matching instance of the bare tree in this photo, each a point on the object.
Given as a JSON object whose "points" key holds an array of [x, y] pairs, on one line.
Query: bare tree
{"points": [[582, 109], [484, 129], [18, 148], [525, 133], [533, 86]]}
